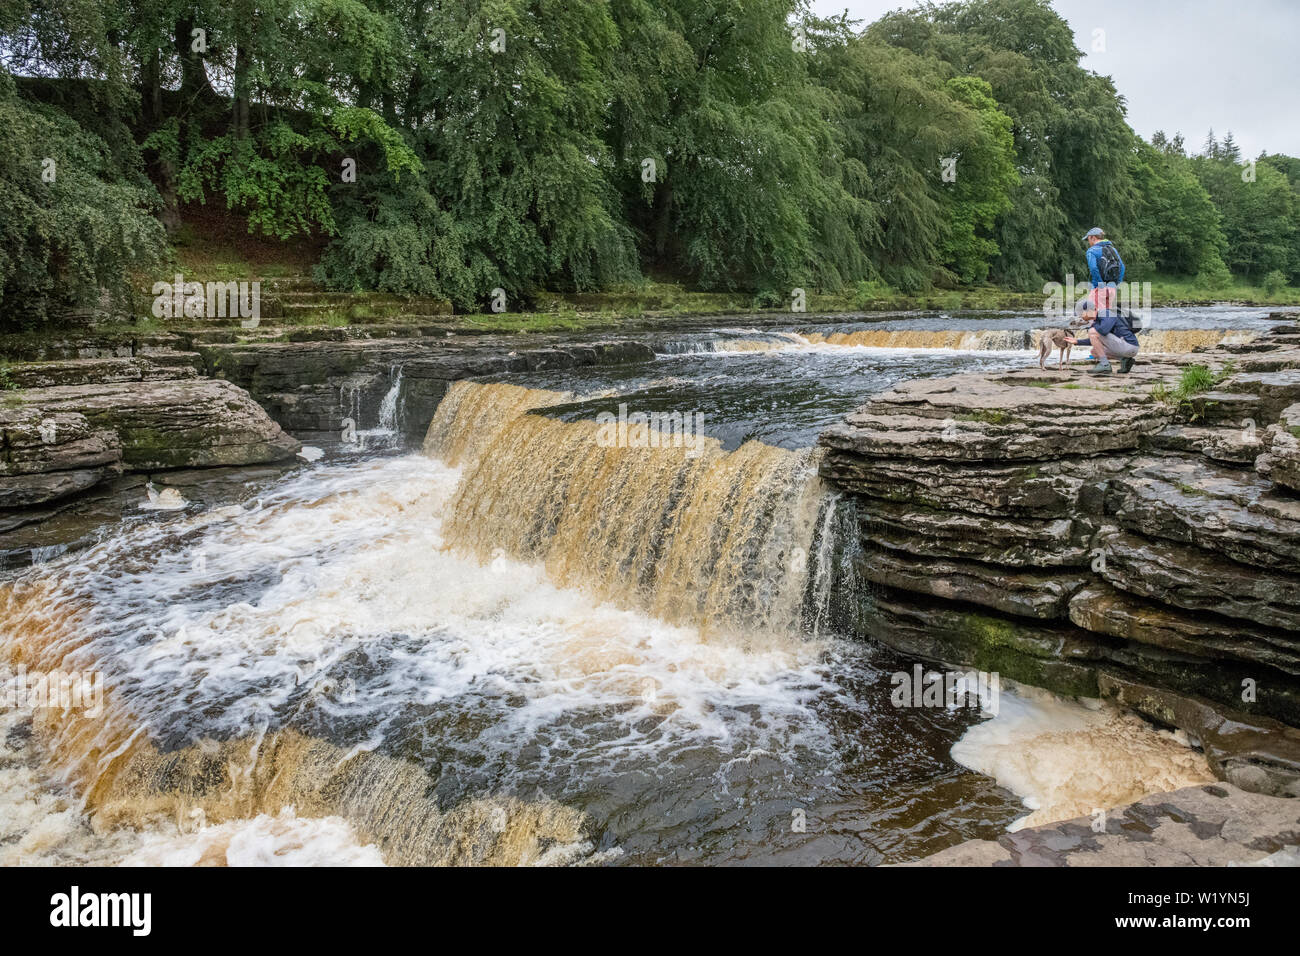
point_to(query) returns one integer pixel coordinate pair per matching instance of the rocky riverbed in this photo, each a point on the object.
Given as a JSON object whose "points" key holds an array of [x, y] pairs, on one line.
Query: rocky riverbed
{"points": [[1127, 538], [1101, 536]]}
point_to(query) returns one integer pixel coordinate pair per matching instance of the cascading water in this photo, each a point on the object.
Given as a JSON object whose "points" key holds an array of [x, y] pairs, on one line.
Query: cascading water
{"points": [[388, 407], [638, 525], [528, 646], [965, 340]]}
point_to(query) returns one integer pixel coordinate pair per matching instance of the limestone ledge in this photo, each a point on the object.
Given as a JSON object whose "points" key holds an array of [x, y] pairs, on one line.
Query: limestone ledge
{"points": [[1097, 536]]}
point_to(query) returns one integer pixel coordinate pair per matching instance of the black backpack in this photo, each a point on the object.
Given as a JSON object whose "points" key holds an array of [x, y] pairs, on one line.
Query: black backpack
{"points": [[1111, 265]]}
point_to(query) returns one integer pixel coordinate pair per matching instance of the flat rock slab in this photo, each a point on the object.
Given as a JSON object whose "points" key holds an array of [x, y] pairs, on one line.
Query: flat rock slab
{"points": [[171, 424], [981, 418], [1211, 825]]}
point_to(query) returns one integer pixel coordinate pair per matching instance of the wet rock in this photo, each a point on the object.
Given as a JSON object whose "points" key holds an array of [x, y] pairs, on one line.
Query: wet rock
{"points": [[1105, 610], [1214, 825], [171, 424], [1232, 444], [1281, 463], [1169, 534], [1247, 750], [1042, 595], [312, 387], [1199, 580], [931, 532], [48, 455], [1061, 659], [1192, 501], [1276, 390]]}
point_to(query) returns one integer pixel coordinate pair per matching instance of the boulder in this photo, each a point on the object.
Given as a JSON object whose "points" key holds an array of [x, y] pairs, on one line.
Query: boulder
{"points": [[48, 455], [171, 424]]}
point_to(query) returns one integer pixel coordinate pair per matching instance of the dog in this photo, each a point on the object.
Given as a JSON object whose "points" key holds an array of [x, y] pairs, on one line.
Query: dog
{"points": [[1049, 339]]}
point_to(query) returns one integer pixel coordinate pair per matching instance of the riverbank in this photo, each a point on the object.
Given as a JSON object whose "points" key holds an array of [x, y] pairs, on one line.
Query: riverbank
{"points": [[1129, 539]]}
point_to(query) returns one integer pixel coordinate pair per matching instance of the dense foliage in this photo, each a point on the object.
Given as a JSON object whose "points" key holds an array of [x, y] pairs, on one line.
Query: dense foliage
{"points": [[449, 149]]}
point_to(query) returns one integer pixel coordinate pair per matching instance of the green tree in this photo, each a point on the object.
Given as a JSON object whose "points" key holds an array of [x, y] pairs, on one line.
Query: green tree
{"points": [[1178, 223], [752, 185], [76, 216]]}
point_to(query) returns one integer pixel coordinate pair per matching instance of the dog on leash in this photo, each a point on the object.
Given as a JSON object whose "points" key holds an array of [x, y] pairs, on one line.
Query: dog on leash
{"points": [[1049, 339]]}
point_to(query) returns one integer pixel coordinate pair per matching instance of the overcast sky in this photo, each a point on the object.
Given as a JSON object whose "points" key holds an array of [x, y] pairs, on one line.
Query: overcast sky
{"points": [[1184, 65]]}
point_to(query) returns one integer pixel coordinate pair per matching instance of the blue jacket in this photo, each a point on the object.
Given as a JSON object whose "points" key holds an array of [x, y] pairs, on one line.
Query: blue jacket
{"points": [[1094, 260], [1108, 321]]}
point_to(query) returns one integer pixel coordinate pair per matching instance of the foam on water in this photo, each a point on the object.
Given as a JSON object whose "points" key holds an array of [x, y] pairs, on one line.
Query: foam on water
{"points": [[338, 605], [367, 677], [1068, 759]]}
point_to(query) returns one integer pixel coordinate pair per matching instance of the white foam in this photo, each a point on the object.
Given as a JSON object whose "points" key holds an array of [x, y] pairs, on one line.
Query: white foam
{"points": [[282, 840], [1069, 758]]}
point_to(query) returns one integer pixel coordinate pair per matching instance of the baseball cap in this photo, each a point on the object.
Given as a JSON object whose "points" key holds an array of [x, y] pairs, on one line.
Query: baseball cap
{"points": [[1094, 231]]}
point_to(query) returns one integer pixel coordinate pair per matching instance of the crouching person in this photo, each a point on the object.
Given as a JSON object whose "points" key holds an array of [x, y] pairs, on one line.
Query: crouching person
{"points": [[1111, 338]]}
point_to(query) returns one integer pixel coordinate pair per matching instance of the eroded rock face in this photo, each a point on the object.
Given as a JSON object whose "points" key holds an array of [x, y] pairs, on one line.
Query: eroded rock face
{"points": [[49, 455], [1281, 463], [312, 387], [170, 424], [1096, 535]]}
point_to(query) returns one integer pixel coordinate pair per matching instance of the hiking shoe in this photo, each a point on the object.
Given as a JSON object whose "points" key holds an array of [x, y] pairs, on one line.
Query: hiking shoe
{"points": [[1125, 366], [1100, 369]]}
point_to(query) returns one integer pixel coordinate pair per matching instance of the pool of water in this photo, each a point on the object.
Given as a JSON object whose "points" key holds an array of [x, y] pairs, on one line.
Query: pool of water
{"points": [[523, 647]]}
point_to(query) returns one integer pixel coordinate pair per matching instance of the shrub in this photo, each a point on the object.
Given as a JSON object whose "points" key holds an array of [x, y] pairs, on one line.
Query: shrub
{"points": [[74, 217]]}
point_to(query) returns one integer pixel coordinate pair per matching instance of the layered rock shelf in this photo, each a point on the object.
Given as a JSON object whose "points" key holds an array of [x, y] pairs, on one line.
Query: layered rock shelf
{"points": [[1215, 825], [1107, 536], [310, 388]]}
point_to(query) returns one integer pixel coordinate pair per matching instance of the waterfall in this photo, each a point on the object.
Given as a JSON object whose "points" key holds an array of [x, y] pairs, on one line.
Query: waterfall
{"points": [[1185, 340], [754, 341], [388, 407], [983, 340], [716, 539]]}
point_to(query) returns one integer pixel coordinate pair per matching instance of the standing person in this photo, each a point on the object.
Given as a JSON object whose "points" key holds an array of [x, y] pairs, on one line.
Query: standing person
{"points": [[1105, 267]]}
